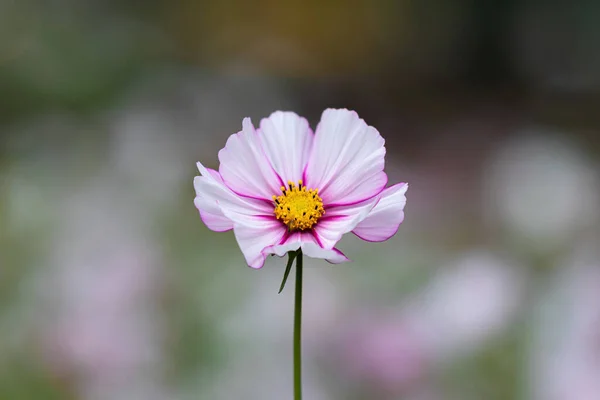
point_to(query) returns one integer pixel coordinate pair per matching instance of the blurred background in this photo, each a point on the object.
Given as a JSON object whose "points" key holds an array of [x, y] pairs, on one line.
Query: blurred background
{"points": [[111, 287]]}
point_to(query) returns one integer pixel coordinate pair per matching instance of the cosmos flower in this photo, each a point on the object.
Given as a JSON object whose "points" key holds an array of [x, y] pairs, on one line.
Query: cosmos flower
{"points": [[282, 187]]}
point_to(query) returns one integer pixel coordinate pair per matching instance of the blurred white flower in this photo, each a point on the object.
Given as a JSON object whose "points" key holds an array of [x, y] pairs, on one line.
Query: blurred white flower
{"points": [[469, 302], [394, 351], [565, 344], [542, 190]]}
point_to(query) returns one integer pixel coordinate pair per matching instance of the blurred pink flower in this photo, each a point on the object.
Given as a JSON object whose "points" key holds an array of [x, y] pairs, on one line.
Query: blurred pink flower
{"points": [[395, 353], [103, 334], [385, 353], [282, 188]]}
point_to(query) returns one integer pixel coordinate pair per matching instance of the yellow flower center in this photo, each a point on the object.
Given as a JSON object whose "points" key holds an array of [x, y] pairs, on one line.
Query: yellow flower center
{"points": [[298, 207]]}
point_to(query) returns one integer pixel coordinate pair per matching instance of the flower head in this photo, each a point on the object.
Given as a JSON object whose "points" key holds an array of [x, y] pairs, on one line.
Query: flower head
{"points": [[282, 187]]}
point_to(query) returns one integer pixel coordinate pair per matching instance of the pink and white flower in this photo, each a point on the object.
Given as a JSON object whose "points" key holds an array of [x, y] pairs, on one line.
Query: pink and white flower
{"points": [[282, 187]]}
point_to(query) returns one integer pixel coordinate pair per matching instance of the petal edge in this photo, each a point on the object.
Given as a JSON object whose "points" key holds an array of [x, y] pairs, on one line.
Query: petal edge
{"points": [[347, 160], [384, 220]]}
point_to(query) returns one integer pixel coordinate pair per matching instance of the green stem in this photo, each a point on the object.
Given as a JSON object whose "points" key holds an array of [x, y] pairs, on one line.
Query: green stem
{"points": [[297, 330]]}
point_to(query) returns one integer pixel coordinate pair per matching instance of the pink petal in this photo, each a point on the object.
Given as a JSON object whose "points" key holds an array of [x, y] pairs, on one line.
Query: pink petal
{"points": [[383, 222], [347, 159], [287, 141], [340, 220], [254, 235], [214, 222], [245, 168], [214, 199], [310, 247]]}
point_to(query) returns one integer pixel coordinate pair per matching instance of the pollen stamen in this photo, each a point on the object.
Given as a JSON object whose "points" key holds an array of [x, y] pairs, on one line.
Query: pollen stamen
{"points": [[298, 207]]}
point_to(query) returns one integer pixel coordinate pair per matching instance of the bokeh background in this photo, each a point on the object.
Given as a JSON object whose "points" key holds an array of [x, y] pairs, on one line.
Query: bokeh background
{"points": [[111, 288]]}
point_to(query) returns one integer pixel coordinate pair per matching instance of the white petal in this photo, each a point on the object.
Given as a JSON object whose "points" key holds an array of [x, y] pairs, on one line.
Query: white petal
{"points": [[383, 221], [310, 247], [313, 250], [287, 140], [255, 235], [347, 159], [214, 199], [290, 242], [341, 220], [245, 168]]}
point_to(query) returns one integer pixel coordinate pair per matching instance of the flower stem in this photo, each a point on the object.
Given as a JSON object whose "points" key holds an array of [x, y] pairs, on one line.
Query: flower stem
{"points": [[297, 330]]}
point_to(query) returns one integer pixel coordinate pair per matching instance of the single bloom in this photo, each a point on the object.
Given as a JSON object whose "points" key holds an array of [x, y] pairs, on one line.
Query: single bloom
{"points": [[282, 187]]}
